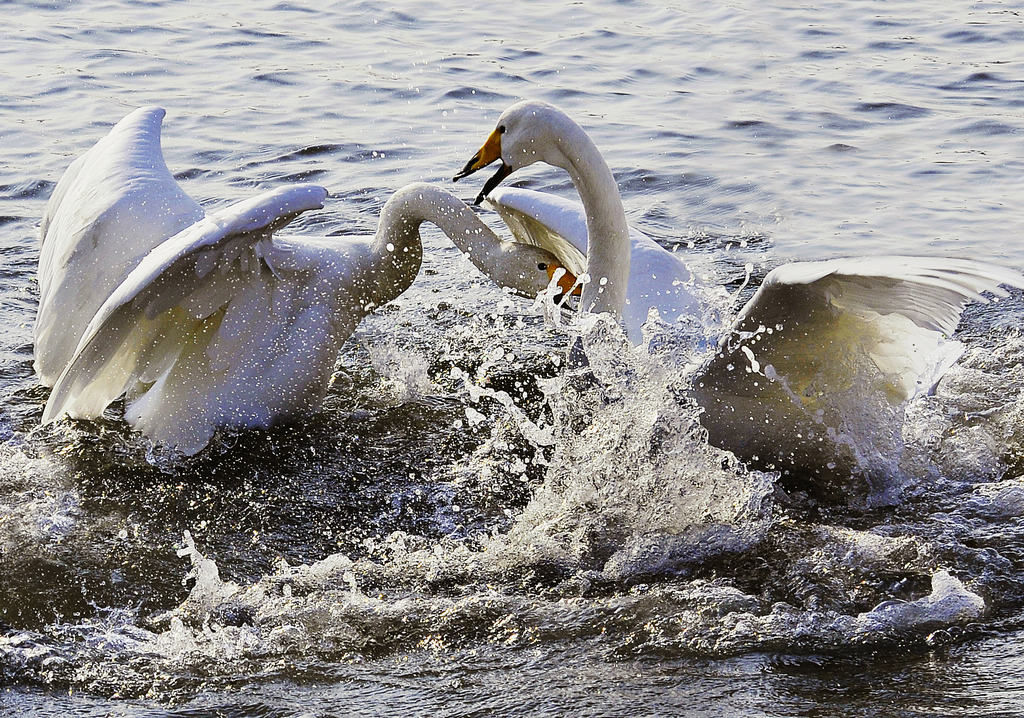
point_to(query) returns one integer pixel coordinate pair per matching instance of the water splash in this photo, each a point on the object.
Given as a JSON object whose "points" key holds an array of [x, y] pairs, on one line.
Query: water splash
{"points": [[626, 534]]}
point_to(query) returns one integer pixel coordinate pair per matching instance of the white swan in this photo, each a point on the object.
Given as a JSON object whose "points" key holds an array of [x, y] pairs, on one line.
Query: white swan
{"points": [[813, 334], [221, 324], [658, 279]]}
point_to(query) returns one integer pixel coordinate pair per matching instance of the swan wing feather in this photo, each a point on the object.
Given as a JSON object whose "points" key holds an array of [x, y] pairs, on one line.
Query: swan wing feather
{"points": [[545, 220], [176, 298], [931, 292], [658, 279], [111, 206], [824, 352]]}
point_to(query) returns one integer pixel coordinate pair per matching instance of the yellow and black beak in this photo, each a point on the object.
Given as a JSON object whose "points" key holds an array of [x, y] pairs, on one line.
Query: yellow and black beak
{"points": [[490, 151]]}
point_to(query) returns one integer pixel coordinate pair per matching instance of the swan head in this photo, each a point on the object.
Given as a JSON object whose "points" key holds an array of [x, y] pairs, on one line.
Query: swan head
{"points": [[527, 132], [527, 271]]}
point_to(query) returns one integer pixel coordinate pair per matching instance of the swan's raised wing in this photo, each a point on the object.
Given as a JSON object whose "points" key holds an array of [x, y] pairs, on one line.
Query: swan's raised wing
{"points": [[930, 292], [112, 205], [545, 220], [821, 341], [176, 305]]}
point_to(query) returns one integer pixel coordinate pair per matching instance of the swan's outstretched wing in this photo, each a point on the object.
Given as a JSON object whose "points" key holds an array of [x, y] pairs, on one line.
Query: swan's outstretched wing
{"points": [[820, 341], [544, 220], [186, 310], [112, 205], [930, 292]]}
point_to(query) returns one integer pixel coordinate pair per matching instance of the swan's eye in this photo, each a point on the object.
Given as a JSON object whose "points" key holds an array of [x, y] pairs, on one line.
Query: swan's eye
{"points": [[542, 266], [501, 129]]}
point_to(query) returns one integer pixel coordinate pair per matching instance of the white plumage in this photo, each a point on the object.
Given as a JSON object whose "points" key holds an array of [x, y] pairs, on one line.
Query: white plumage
{"points": [[202, 333], [821, 341], [817, 341], [658, 279], [205, 322], [112, 205]]}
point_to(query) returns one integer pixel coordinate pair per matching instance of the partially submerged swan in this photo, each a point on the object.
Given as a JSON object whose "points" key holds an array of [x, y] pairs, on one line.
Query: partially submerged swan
{"points": [[210, 321], [814, 331]]}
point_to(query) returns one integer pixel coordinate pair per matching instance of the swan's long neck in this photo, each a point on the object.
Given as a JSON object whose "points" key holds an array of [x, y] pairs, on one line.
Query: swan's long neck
{"points": [[397, 249], [417, 203], [608, 245]]}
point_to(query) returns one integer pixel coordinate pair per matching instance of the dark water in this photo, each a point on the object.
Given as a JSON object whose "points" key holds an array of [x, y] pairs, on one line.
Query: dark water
{"points": [[465, 529]]}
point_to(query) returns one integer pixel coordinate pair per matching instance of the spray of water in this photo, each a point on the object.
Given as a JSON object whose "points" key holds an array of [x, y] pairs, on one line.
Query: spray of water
{"points": [[634, 536]]}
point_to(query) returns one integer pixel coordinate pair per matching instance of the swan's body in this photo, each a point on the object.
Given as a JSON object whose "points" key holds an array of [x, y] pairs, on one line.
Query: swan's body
{"points": [[824, 352], [658, 279], [814, 335], [223, 324]]}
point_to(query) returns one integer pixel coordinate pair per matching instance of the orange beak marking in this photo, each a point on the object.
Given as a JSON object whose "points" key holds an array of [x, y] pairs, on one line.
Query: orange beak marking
{"points": [[566, 282], [490, 151]]}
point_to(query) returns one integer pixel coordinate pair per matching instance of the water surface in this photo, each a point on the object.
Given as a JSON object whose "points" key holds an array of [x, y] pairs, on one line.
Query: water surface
{"points": [[415, 548]]}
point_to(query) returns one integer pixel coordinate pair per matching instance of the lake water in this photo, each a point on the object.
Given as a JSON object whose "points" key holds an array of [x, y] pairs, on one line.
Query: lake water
{"points": [[413, 549]]}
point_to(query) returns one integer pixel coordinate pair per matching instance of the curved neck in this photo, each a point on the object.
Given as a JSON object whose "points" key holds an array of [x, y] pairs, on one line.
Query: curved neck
{"points": [[608, 243], [397, 250], [417, 203]]}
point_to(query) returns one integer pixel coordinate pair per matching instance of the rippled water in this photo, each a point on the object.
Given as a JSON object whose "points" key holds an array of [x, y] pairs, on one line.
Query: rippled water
{"points": [[429, 545]]}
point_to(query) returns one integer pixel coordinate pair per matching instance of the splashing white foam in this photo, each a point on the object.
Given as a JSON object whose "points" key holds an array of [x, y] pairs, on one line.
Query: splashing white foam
{"points": [[405, 373]]}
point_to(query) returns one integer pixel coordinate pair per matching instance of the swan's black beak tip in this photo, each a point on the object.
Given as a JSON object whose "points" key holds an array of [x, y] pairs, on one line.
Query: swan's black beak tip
{"points": [[469, 169], [503, 172], [479, 199]]}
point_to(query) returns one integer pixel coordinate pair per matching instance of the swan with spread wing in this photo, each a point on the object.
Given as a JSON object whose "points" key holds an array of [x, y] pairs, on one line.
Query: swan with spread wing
{"points": [[813, 332], [209, 320]]}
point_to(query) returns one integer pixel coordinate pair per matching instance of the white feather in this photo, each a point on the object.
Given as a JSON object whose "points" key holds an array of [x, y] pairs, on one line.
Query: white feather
{"points": [[113, 204], [658, 279], [157, 337], [834, 339]]}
